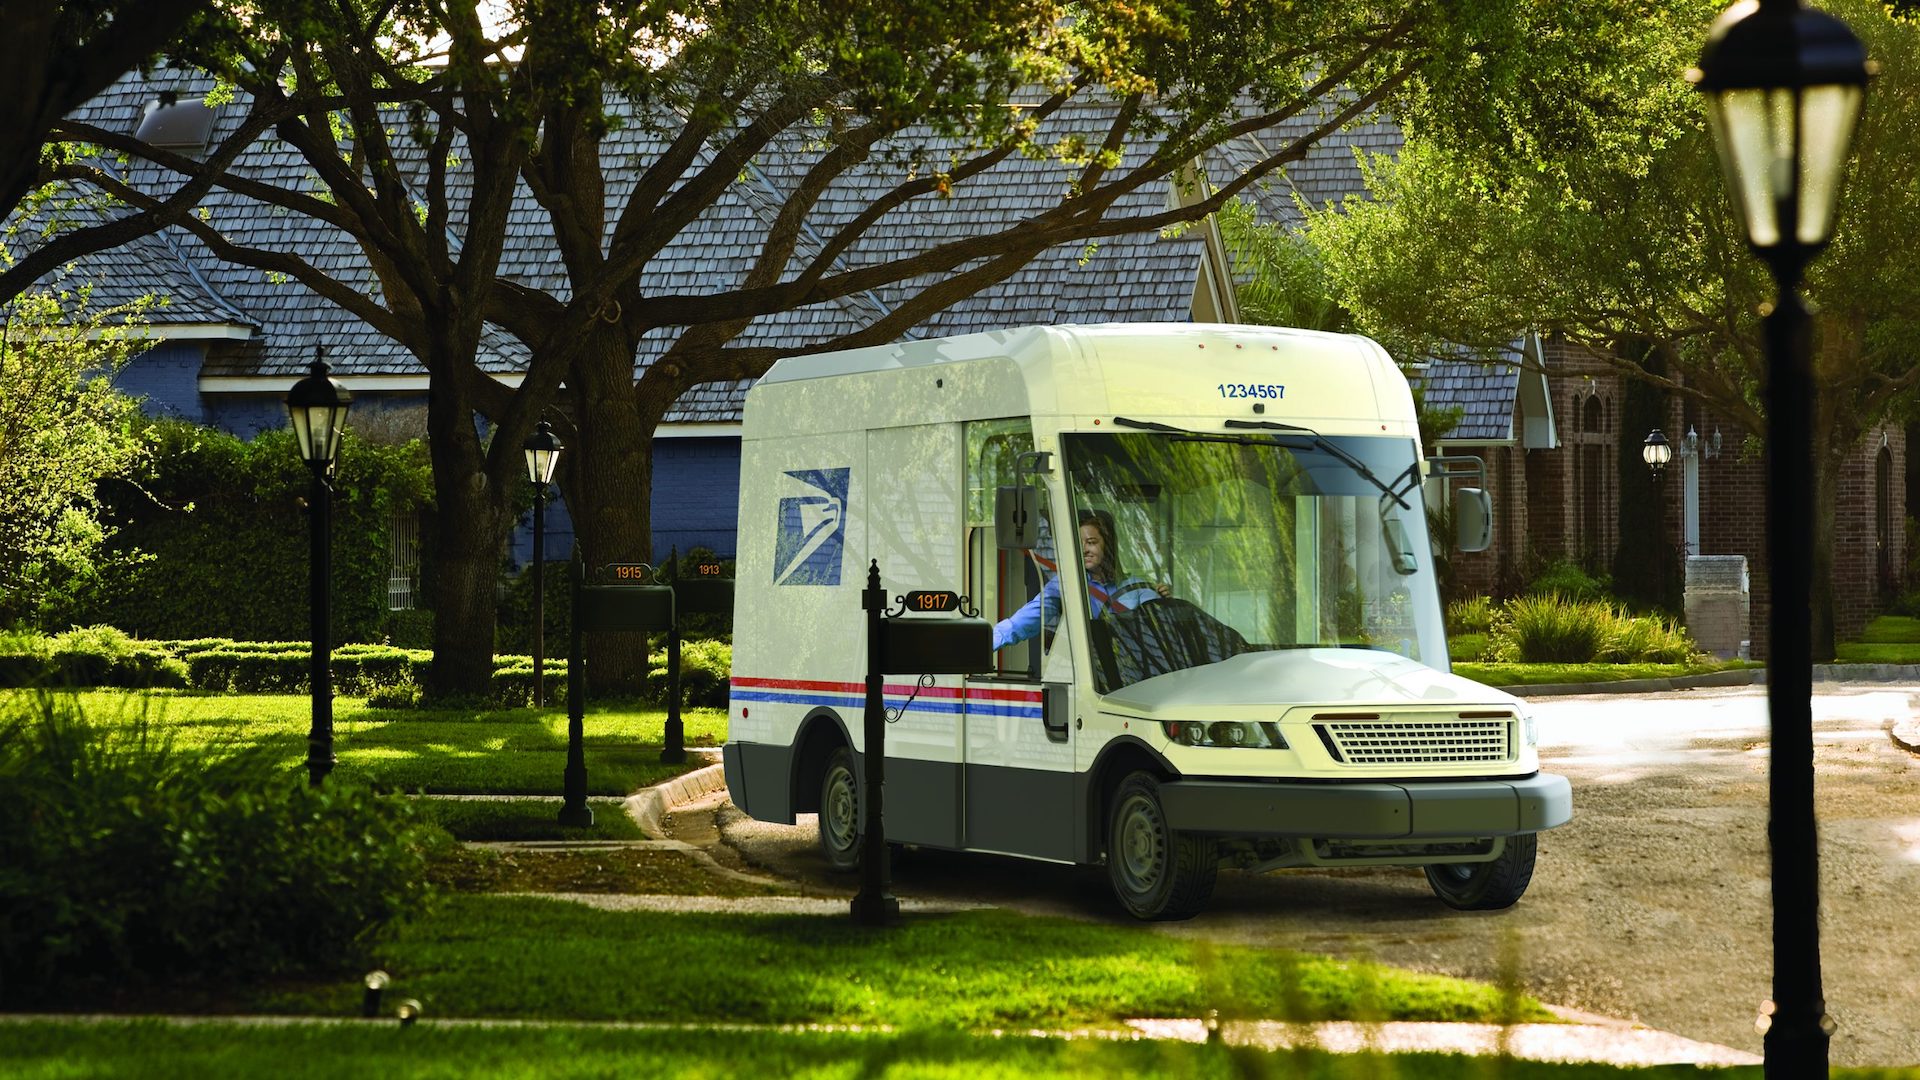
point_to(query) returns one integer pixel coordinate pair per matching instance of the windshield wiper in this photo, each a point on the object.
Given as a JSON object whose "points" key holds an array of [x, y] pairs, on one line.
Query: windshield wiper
{"points": [[1321, 442], [1148, 425]]}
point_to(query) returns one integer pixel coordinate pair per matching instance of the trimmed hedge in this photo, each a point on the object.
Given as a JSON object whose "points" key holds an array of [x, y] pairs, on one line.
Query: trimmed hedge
{"points": [[93, 656], [103, 656]]}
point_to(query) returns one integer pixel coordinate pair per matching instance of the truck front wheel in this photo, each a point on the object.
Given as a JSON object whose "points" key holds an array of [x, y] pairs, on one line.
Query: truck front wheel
{"points": [[840, 812], [1487, 886], [1156, 872]]}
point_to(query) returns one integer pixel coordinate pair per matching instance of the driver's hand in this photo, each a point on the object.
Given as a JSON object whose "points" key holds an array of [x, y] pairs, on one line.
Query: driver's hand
{"points": [[1165, 590]]}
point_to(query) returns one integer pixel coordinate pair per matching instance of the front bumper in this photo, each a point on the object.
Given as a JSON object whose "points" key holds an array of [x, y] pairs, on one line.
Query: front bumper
{"points": [[1372, 811]]}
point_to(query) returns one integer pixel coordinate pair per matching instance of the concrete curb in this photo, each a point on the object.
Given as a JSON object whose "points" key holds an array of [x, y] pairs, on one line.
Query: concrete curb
{"points": [[1906, 734], [1822, 673], [1740, 677], [649, 806]]}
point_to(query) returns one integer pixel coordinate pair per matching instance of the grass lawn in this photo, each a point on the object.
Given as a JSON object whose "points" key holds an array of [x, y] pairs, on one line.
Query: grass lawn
{"points": [[445, 751], [525, 957], [41, 1051], [1540, 674], [1889, 639], [528, 819], [631, 871]]}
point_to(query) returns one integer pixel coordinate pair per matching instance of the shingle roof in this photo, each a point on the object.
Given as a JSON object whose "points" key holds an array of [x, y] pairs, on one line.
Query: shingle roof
{"points": [[1135, 277], [1483, 389]]}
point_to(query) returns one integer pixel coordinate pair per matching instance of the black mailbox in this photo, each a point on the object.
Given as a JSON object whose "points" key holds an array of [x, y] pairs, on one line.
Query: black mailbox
{"points": [[936, 646], [624, 607], [703, 595]]}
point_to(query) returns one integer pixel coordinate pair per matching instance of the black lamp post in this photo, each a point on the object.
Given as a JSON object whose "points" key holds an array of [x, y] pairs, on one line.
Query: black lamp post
{"points": [[543, 453], [1784, 86], [1656, 452], [318, 406]]}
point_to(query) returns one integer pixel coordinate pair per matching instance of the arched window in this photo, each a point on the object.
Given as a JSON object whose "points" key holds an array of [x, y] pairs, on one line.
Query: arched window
{"points": [[1593, 416]]}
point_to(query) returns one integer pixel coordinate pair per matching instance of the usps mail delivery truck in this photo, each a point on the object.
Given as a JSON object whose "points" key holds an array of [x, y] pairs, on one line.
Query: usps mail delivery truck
{"points": [[1220, 639]]}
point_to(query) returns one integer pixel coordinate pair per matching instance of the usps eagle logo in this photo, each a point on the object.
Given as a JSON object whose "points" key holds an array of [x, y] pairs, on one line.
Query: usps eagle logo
{"points": [[811, 531]]}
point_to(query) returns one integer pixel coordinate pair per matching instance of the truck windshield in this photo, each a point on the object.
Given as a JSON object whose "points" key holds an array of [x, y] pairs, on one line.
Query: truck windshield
{"points": [[1226, 544]]}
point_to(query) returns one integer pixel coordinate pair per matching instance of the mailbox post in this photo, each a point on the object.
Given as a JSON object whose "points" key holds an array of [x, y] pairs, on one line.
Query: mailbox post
{"points": [[904, 647], [705, 592], [630, 598]]}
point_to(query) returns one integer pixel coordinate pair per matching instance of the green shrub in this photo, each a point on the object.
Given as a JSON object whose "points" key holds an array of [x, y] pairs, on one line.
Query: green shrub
{"points": [[395, 696], [1646, 639], [225, 521], [1473, 615], [513, 681], [1550, 630], [705, 670], [124, 857], [93, 656], [26, 658], [1569, 581]]}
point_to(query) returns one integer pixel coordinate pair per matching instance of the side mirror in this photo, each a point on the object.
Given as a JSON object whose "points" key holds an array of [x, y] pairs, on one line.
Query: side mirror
{"points": [[1016, 521], [1472, 519], [1399, 547]]}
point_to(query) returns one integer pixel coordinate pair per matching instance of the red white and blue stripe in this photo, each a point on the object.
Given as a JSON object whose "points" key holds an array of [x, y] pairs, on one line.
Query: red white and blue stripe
{"points": [[950, 700]]}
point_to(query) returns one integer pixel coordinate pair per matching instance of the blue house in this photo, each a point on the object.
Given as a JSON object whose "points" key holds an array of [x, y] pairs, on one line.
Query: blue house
{"points": [[230, 339]]}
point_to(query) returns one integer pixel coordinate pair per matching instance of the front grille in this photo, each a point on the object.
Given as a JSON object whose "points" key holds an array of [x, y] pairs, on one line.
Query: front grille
{"points": [[1427, 742]]}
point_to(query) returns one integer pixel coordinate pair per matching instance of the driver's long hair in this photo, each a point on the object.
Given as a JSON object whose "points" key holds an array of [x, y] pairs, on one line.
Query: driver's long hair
{"points": [[1108, 568]]}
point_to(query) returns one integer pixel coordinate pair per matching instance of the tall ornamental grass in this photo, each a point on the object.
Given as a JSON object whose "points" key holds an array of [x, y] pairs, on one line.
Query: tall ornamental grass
{"points": [[1552, 630]]}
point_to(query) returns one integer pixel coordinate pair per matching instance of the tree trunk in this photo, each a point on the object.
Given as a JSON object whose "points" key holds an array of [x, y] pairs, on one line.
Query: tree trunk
{"points": [[610, 494], [466, 538], [1830, 448]]}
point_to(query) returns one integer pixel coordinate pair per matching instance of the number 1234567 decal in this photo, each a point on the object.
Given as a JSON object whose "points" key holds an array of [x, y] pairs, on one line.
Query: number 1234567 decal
{"points": [[1252, 390]]}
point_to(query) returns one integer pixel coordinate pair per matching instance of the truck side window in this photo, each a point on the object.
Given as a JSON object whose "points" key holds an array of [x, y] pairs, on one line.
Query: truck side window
{"points": [[999, 582]]}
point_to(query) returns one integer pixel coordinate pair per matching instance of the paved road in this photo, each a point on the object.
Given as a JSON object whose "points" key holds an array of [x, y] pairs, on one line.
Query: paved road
{"points": [[1652, 904]]}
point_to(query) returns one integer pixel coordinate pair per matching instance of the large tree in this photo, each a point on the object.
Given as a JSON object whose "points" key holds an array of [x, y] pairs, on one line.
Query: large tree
{"points": [[928, 100], [58, 54], [1632, 249]]}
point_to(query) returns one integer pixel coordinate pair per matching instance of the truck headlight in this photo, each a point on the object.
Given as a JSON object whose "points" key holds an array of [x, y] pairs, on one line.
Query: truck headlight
{"points": [[1529, 728], [1262, 734]]}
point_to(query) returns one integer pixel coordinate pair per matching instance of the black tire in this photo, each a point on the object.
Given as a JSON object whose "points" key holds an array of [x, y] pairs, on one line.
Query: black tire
{"points": [[840, 812], [1155, 872], [1487, 886]]}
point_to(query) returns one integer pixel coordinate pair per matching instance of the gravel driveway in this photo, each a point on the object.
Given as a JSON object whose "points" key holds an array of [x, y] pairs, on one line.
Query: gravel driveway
{"points": [[1651, 905]]}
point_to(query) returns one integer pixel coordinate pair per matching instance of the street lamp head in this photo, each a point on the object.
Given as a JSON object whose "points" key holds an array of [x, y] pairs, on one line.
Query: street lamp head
{"points": [[1656, 452], [1784, 85], [543, 453], [318, 406]]}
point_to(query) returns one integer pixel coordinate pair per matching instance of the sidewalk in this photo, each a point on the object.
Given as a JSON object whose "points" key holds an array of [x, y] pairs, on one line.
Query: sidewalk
{"points": [[1610, 1043]]}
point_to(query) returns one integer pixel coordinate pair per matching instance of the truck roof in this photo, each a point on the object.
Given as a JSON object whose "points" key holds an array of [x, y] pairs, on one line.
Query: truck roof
{"points": [[1193, 371]]}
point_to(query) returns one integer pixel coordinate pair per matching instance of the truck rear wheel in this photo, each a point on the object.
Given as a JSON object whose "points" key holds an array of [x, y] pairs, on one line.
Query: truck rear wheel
{"points": [[840, 812], [1487, 886], [1156, 872]]}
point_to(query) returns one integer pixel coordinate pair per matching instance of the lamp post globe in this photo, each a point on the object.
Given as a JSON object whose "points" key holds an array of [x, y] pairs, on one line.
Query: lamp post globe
{"points": [[1656, 451], [543, 455], [1784, 85], [318, 406]]}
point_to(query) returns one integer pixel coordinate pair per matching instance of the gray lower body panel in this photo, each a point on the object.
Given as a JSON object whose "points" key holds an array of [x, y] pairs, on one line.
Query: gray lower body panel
{"points": [[1017, 811], [1381, 811], [759, 778]]}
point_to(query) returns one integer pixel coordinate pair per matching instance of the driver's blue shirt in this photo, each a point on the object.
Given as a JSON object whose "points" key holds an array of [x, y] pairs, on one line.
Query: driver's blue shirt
{"points": [[1044, 609]]}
